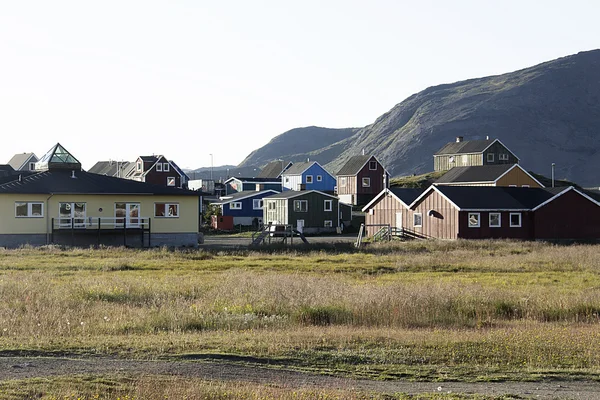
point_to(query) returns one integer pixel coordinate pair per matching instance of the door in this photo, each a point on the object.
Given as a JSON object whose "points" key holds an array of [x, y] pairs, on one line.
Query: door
{"points": [[74, 212], [128, 213], [399, 221], [300, 225]]}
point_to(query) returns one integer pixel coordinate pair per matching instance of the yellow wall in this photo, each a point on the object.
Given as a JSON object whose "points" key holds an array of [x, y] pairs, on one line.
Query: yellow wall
{"points": [[517, 177], [186, 223]]}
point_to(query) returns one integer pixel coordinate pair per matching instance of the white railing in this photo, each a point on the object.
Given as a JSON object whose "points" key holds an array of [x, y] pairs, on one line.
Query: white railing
{"points": [[101, 223]]}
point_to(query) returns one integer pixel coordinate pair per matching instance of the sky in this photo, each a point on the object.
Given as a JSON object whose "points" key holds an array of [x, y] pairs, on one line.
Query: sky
{"points": [[191, 79]]}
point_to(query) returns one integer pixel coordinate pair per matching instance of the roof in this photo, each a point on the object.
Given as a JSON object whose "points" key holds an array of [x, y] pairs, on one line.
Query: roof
{"points": [[18, 160], [151, 159], [244, 195], [179, 170], [110, 168], [253, 180], [299, 168], [479, 173], [290, 194], [62, 181], [494, 197], [405, 195], [6, 170], [355, 164], [58, 158], [465, 147], [274, 169]]}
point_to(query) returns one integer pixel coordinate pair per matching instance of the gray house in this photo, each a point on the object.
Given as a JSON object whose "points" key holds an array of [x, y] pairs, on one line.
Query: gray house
{"points": [[23, 162], [308, 211], [467, 153]]}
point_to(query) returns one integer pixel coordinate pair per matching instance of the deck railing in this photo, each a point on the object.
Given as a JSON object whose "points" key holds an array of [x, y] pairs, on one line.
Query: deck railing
{"points": [[102, 225]]}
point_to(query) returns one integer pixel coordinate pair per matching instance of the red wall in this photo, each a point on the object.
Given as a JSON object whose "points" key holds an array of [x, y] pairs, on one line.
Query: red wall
{"points": [[503, 232], [570, 216]]}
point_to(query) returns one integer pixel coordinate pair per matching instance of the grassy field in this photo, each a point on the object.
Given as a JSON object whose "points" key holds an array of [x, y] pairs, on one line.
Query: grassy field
{"points": [[464, 310]]}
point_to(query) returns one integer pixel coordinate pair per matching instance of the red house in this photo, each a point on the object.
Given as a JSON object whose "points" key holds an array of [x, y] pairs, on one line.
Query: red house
{"points": [[361, 179], [157, 170]]}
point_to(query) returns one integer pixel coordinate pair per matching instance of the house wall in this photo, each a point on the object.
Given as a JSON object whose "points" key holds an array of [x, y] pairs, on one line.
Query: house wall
{"points": [[278, 215], [246, 215], [349, 189], [496, 149], [160, 178], [442, 162], [327, 183], [383, 212], [517, 177], [366, 194], [316, 215], [443, 224], [570, 216], [292, 182], [505, 231]]}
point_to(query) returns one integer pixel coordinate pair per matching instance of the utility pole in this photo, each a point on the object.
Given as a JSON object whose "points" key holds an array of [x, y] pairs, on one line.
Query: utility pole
{"points": [[553, 165], [211, 166]]}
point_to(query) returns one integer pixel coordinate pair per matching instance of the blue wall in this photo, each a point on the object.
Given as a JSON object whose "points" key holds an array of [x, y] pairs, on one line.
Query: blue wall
{"points": [[247, 210], [326, 185]]}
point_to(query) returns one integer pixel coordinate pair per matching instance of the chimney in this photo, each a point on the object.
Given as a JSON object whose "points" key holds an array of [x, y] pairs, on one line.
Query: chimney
{"points": [[487, 138], [363, 152], [459, 139], [73, 174], [20, 178]]}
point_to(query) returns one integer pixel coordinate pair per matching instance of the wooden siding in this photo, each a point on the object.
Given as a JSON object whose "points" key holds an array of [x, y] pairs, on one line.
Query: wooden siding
{"points": [[349, 188], [442, 162], [316, 215], [496, 149], [517, 177], [278, 215], [570, 216], [505, 231], [384, 212], [442, 224]]}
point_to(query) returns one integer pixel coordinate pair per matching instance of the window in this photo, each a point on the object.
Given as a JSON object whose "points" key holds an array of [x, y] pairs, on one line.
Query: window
{"points": [[328, 205], [166, 210], [28, 209], [159, 167], [270, 205], [257, 204], [525, 186], [451, 159], [31, 166], [512, 185], [503, 157], [417, 220], [300, 205], [129, 212], [309, 179], [171, 181], [287, 179], [366, 182], [474, 220], [139, 166], [328, 224], [495, 220], [166, 167], [319, 178], [71, 213], [515, 220], [465, 159], [236, 205], [373, 165], [343, 181], [490, 157]]}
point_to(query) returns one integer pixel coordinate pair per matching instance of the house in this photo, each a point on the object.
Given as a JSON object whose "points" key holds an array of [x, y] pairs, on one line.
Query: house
{"points": [[239, 184], [388, 207], [60, 203], [466, 153], [117, 169], [23, 162], [308, 211], [308, 176], [489, 175], [157, 170], [471, 212], [275, 169], [361, 179], [245, 207]]}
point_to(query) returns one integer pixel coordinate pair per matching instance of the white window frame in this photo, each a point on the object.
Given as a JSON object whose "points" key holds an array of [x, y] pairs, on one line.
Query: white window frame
{"points": [[159, 167], [300, 203], [328, 205], [415, 215], [235, 205], [167, 208], [287, 179], [490, 157], [465, 159], [478, 220], [259, 202], [328, 223], [525, 186], [511, 222], [342, 181], [166, 167], [499, 220], [373, 163], [138, 166], [309, 179], [174, 181], [271, 205], [319, 178], [503, 157], [32, 166], [512, 185], [366, 182], [29, 209]]}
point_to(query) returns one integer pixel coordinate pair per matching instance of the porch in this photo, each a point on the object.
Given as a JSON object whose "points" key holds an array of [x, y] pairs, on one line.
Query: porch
{"points": [[108, 231]]}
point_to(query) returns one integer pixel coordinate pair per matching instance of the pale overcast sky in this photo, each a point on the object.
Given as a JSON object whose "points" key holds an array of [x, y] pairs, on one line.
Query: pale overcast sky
{"points": [[118, 79]]}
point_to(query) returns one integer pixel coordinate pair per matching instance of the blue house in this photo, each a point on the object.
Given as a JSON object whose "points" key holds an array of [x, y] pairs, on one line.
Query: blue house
{"points": [[308, 176], [245, 207], [239, 184]]}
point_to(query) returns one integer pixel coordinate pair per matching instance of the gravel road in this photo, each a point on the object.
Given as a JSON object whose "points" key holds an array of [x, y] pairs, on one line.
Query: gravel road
{"points": [[40, 367]]}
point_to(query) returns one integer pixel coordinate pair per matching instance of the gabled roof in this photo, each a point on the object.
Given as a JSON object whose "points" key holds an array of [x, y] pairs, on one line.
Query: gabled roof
{"points": [[492, 197], [274, 169], [151, 159], [465, 147], [245, 195], [355, 164], [57, 158], [252, 180], [7, 170], [179, 170], [81, 182], [19, 160], [301, 167], [403, 195], [110, 168], [290, 194], [479, 174]]}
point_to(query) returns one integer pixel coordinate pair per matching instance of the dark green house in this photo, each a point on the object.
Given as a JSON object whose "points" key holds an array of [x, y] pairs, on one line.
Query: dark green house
{"points": [[307, 211]]}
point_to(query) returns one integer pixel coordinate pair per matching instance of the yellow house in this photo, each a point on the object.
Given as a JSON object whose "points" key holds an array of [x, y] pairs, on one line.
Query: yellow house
{"points": [[62, 204], [489, 175]]}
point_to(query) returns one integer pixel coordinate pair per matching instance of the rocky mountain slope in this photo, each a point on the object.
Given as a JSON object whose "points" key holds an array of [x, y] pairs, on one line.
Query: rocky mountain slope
{"points": [[549, 113]]}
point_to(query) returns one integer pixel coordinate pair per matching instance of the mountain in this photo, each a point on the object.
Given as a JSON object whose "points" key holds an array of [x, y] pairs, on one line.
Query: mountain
{"points": [[222, 172], [318, 144], [549, 113]]}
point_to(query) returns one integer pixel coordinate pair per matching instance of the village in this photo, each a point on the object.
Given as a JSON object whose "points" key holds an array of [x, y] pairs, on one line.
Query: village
{"points": [[152, 202]]}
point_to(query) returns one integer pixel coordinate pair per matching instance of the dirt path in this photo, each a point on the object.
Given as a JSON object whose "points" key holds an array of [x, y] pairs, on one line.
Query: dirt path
{"points": [[38, 367]]}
